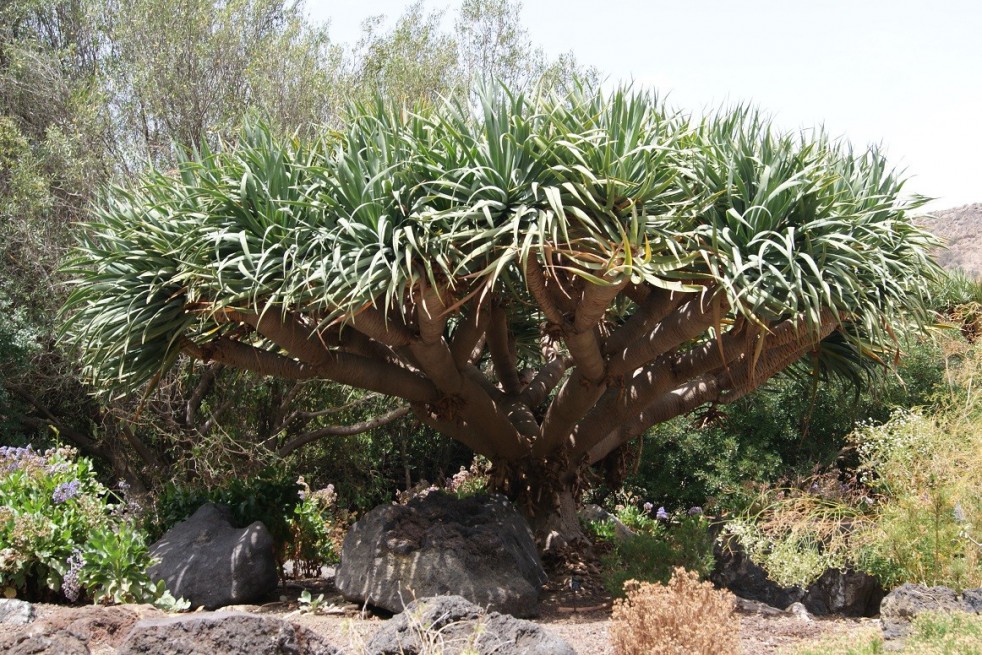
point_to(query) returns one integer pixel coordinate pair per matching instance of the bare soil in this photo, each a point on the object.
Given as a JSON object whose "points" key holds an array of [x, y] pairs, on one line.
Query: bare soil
{"points": [[582, 619]]}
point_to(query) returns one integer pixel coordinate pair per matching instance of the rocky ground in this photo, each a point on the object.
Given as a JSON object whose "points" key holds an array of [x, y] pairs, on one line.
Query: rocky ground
{"points": [[763, 631], [583, 621]]}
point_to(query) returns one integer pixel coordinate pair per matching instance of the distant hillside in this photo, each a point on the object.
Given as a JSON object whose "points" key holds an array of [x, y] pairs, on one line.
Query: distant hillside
{"points": [[961, 228]]}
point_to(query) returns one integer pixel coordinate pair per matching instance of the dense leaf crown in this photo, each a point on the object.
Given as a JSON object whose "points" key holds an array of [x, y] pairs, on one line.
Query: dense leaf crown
{"points": [[611, 187]]}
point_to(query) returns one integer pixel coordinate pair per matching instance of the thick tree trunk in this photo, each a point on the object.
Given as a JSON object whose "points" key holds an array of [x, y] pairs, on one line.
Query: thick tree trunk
{"points": [[556, 523], [549, 501]]}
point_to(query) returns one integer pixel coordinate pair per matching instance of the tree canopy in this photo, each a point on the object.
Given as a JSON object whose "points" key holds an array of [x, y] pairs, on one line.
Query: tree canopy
{"points": [[541, 277]]}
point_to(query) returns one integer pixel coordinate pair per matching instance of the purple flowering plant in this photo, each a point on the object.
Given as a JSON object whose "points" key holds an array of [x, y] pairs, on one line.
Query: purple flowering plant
{"points": [[52, 506], [65, 491]]}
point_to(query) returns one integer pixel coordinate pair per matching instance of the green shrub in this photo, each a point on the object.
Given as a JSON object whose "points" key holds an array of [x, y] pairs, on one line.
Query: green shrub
{"points": [[318, 527], [113, 568], [270, 497], [657, 548], [927, 471], [62, 536]]}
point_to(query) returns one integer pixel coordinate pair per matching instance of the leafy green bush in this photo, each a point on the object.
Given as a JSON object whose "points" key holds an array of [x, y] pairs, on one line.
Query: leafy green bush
{"points": [[63, 538], [269, 496], [657, 548], [318, 527]]}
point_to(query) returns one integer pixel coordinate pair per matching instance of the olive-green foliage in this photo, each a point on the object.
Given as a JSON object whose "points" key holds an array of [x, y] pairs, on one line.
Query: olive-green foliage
{"points": [[51, 160], [927, 471], [907, 511], [188, 73]]}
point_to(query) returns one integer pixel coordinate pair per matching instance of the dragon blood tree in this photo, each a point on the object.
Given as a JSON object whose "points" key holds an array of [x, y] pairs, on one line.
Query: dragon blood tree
{"points": [[540, 279]]}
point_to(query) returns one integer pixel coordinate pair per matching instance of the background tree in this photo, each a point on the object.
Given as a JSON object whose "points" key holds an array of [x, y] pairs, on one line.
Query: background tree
{"points": [[93, 90], [188, 72], [542, 280]]}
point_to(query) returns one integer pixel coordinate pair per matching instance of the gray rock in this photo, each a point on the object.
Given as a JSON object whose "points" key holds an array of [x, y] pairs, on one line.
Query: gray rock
{"points": [[16, 612], [211, 563], [222, 633], [58, 643], [479, 548], [755, 607], [798, 611], [848, 593], [972, 600], [901, 605], [77, 630], [451, 625]]}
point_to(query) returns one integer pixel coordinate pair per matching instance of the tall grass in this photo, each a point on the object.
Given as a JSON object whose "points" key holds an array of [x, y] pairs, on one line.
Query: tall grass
{"points": [[908, 511]]}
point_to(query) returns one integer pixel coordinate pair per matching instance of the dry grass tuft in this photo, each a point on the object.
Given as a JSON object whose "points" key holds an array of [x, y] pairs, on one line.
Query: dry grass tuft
{"points": [[684, 617]]}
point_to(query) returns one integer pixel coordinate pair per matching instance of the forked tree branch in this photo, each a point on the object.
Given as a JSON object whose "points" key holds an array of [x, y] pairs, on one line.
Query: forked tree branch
{"points": [[341, 430], [723, 385], [469, 333], [535, 279], [341, 367], [686, 323]]}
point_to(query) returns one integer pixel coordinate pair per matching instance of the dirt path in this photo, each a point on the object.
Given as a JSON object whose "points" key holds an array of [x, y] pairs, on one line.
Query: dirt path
{"points": [[583, 622], [586, 627]]}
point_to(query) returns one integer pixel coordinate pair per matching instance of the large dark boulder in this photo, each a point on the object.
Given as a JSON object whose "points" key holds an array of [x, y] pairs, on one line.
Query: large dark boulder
{"points": [[903, 604], [848, 593], [224, 633], [452, 625], [478, 547], [972, 600], [209, 562]]}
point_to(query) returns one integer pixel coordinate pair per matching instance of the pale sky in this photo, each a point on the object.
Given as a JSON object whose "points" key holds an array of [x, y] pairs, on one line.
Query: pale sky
{"points": [[902, 73]]}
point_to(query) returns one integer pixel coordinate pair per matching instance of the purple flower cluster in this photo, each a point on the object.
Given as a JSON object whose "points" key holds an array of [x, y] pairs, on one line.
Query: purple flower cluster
{"points": [[13, 459], [130, 506], [662, 515], [71, 586], [65, 491]]}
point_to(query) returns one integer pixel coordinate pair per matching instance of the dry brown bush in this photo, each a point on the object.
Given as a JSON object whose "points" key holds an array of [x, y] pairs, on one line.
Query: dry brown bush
{"points": [[684, 617]]}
